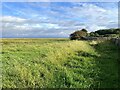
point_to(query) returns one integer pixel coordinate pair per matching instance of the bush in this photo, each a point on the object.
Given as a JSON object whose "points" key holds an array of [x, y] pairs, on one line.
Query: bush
{"points": [[78, 34]]}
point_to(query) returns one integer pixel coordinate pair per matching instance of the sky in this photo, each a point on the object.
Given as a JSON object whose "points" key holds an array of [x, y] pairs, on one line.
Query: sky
{"points": [[56, 19]]}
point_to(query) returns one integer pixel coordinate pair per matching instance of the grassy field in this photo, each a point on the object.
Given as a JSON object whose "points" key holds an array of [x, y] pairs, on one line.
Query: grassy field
{"points": [[59, 63]]}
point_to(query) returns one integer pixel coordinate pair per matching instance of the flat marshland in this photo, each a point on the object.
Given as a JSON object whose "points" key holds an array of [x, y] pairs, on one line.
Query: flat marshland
{"points": [[59, 63]]}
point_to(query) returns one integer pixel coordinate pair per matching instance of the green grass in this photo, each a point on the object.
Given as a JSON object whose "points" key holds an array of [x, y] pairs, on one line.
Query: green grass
{"points": [[59, 63]]}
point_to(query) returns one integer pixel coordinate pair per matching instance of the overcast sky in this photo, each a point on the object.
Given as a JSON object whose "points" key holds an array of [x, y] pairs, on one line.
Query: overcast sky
{"points": [[45, 19]]}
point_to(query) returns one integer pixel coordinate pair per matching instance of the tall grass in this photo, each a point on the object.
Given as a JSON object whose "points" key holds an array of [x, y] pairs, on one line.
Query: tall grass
{"points": [[55, 63]]}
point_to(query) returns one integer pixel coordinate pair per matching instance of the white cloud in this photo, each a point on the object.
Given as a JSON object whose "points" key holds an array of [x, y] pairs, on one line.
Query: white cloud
{"points": [[11, 19], [95, 27], [22, 27]]}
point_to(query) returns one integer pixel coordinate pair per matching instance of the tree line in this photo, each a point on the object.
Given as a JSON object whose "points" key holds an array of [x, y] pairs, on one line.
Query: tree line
{"points": [[80, 34]]}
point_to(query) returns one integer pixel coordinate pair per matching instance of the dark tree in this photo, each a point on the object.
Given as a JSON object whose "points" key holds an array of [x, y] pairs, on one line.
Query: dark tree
{"points": [[106, 33], [78, 35], [84, 30]]}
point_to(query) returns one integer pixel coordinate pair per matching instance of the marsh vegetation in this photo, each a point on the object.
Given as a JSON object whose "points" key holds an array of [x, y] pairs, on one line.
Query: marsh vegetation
{"points": [[59, 63]]}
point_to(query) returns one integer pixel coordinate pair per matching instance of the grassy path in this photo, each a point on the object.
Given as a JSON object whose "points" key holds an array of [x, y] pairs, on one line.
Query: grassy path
{"points": [[108, 63]]}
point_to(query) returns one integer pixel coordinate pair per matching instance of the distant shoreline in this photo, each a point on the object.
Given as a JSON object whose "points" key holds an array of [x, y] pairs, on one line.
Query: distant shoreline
{"points": [[36, 38]]}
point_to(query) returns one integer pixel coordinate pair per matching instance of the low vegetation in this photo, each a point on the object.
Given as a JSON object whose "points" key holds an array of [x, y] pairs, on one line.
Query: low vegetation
{"points": [[82, 34], [59, 63]]}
